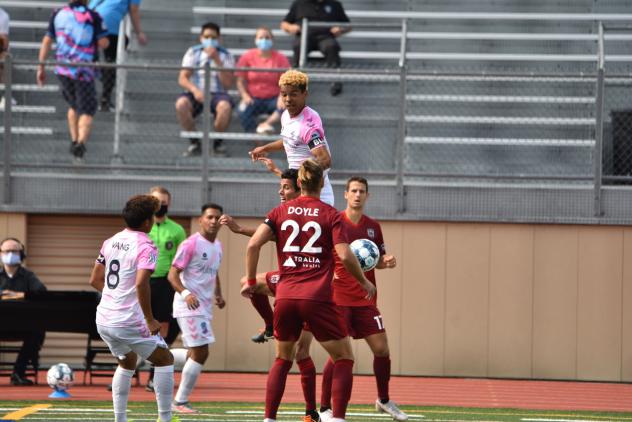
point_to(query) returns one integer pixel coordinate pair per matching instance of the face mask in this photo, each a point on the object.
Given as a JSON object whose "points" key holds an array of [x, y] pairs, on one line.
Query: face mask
{"points": [[11, 258], [264, 44], [162, 211], [210, 42]]}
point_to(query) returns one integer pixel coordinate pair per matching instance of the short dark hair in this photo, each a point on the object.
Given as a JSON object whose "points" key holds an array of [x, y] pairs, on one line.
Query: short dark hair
{"points": [[212, 205], [210, 25], [359, 180], [138, 209], [292, 175]]}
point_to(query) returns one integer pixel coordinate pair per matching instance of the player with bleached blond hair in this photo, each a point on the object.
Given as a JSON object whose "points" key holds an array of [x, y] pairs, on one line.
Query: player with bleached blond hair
{"points": [[302, 132]]}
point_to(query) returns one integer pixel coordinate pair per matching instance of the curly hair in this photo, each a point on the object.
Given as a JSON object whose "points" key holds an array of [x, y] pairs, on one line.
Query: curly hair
{"points": [[138, 209], [310, 174], [294, 78]]}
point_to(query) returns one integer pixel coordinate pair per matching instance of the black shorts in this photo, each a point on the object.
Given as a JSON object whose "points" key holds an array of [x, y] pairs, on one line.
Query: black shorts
{"points": [[80, 95], [161, 298], [216, 97]]}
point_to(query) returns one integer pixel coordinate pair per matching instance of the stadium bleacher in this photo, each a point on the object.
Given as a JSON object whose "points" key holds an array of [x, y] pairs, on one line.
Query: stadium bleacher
{"points": [[488, 92]]}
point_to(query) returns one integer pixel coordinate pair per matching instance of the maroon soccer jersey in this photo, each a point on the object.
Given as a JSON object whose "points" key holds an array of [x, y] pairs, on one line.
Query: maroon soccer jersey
{"points": [[306, 231], [347, 291]]}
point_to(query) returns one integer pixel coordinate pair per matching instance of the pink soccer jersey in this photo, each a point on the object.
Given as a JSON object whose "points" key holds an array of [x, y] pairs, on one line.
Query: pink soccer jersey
{"points": [[199, 260], [301, 134], [123, 255]]}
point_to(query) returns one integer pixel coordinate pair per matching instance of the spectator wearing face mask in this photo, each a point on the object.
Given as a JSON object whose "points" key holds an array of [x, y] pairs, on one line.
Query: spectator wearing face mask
{"points": [[166, 235], [260, 90], [15, 281]]}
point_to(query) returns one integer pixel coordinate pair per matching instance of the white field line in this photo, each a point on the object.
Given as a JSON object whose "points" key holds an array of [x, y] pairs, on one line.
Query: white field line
{"points": [[557, 420]]}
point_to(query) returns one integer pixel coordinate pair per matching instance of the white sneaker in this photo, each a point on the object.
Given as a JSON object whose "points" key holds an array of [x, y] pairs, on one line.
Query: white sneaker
{"points": [[391, 408], [326, 416], [13, 102]]}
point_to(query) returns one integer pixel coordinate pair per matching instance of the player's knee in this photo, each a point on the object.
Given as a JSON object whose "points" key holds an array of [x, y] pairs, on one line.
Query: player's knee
{"points": [[302, 351], [382, 352], [199, 354], [161, 357]]}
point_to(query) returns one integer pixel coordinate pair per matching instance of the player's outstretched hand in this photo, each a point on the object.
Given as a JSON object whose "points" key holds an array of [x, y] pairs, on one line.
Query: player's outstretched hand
{"points": [[257, 153], [270, 165], [248, 291], [154, 326], [389, 261], [228, 221], [192, 301], [369, 288], [220, 302]]}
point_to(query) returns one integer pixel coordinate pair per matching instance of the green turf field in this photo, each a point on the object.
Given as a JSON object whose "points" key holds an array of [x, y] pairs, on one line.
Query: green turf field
{"points": [[243, 412]]}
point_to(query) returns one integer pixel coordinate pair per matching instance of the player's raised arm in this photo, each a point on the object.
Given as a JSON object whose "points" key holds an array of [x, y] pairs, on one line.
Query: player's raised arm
{"points": [[228, 221], [263, 234], [352, 265], [322, 156], [264, 150]]}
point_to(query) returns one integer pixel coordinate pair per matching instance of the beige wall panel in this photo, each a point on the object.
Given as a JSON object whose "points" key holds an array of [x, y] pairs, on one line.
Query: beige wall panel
{"points": [[510, 301], [555, 302], [422, 264], [626, 311], [13, 225], [467, 299], [599, 303], [242, 320]]}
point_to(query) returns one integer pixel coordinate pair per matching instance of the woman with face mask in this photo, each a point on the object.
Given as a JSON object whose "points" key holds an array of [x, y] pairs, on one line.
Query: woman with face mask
{"points": [[260, 90]]}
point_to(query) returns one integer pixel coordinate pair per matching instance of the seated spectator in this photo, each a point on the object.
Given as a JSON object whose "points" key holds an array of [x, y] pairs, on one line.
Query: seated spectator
{"points": [[112, 12], [190, 103], [260, 90], [4, 48], [68, 27], [15, 281], [318, 38]]}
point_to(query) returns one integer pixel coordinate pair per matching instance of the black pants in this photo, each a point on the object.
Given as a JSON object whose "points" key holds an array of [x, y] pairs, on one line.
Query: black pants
{"points": [[109, 74], [328, 45], [32, 342]]}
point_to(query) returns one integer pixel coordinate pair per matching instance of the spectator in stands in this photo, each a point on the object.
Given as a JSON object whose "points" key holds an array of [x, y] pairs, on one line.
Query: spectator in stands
{"points": [[167, 236], [112, 12], [68, 27], [318, 38], [190, 103], [260, 90], [15, 281], [4, 48]]}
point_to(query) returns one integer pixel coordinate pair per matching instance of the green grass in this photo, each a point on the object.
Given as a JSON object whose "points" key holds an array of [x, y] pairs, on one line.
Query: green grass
{"points": [[88, 411]]}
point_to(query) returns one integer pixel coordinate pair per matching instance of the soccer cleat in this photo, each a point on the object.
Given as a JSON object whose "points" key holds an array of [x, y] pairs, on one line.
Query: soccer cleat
{"points": [[150, 386], [174, 418], [263, 336], [184, 408], [326, 416], [391, 408]]}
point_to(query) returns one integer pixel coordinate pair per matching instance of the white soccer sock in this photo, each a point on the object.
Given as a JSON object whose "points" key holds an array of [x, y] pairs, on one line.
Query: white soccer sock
{"points": [[337, 420], [179, 358], [190, 375], [121, 383], [163, 386], [269, 420]]}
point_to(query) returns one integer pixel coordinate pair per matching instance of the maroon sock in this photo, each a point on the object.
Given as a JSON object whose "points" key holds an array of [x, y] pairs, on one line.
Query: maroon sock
{"points": [[325, 394], [275, 386], [262, 305], [382, 371], [341, 386], [308, 382]]}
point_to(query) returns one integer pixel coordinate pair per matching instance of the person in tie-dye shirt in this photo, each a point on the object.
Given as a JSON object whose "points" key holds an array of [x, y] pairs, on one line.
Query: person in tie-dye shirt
{"points": [[194, 277], [78, 32], [124, 317]]}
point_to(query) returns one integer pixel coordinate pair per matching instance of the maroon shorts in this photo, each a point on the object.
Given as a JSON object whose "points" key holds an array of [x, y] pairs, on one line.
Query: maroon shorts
{"points": [[362, 321], [272, 278], [292, 315]]}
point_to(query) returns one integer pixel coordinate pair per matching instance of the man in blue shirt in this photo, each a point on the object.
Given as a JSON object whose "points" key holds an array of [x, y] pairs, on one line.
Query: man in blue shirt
{"points": [[78, 32], [113, 12]]}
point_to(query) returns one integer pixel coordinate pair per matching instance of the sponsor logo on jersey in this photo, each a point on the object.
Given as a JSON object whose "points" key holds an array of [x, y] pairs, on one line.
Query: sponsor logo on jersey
{"points": [[169, 245], [204, 256], [370, 232], [289, 262], [152, 258], [275, 278]]}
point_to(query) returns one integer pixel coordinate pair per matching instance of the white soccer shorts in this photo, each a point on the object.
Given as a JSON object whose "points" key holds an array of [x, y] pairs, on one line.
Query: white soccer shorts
{"points": [[122, 340], [196, 331]]}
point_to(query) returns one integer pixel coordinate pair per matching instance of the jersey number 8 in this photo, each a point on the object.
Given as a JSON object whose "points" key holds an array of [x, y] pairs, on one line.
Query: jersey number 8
{"points": [[112, 278]]}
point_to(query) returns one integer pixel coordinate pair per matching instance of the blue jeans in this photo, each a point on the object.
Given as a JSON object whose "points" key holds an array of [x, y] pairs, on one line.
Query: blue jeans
{"points": [[248, 116]]}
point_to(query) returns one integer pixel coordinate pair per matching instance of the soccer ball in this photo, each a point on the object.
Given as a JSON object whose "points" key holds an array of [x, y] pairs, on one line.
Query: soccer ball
{"points": [[367, 253], [60, 377]]}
